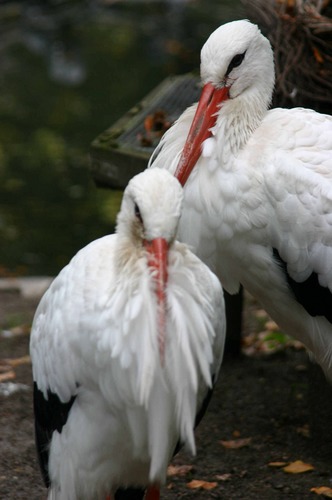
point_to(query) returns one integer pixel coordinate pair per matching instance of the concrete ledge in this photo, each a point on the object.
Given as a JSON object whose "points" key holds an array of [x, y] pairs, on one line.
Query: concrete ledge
{"points": [[30, 287]]}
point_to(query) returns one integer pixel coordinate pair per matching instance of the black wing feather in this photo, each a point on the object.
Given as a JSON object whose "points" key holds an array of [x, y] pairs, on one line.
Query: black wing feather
{"points": [[50, 415], [129, 494], [315, 298]]}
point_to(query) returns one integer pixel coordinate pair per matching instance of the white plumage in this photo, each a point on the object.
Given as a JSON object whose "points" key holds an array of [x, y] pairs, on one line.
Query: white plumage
{"points": [[258, 203], [111, 402]]}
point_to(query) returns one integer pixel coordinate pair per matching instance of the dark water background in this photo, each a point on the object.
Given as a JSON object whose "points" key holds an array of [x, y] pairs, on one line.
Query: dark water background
{"points": [[69, 70]]}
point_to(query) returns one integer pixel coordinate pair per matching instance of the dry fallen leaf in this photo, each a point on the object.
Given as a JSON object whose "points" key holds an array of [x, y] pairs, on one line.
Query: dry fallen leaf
{"points": [[234, 444], [298, 467], [178, 470], [4, 366], [318, 56], [271, 326], [223, 477], [204, 485], [304, 431], [261, 313], [23, 360], [16, 331], [10, 375], [323, 490], [277, 464]]}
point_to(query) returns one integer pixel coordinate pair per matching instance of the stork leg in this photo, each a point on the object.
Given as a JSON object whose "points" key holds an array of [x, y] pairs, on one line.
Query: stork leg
{"points": [[152, 493]]}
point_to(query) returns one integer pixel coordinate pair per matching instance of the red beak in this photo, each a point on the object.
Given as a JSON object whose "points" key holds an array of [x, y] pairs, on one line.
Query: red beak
{"points": [[157, 260], [204, 119]]}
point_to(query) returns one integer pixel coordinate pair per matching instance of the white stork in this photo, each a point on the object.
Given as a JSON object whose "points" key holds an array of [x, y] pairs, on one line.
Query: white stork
{"points": [[125, 345], [258, 187]]}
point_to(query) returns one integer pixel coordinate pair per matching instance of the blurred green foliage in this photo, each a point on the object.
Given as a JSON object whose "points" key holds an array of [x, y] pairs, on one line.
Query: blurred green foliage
{"points": [[49, 206]]}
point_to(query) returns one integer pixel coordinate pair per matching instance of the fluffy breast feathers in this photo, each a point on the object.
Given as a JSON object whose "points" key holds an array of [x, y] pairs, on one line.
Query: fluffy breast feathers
{"points": [[97, 329]]}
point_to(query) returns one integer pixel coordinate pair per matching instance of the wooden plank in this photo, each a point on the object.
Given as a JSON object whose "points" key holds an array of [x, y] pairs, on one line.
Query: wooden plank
{"points": [[117, 154]]}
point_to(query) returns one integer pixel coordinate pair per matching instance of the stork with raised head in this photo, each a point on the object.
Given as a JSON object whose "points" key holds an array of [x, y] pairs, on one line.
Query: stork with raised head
{"points": [[125, 345], [258, 187]]}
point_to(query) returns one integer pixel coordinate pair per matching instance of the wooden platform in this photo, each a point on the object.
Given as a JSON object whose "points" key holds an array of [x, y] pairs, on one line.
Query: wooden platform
{"points": [[118, 154]]}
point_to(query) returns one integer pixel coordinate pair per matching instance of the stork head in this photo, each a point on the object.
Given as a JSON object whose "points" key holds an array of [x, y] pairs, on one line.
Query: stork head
{"points": [[149, 217], [236, 61]]}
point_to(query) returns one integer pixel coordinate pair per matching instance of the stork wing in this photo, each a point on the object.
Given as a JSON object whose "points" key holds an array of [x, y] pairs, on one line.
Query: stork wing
{"points": [[56, 337], [296, 173]]}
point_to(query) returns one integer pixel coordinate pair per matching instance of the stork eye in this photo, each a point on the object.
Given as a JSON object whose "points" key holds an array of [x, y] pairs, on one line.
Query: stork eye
{"points": [[235, 62], [138, 213]]}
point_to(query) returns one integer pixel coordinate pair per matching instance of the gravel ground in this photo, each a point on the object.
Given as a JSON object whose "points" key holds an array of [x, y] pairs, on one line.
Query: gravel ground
{"points": [[265, 409]]}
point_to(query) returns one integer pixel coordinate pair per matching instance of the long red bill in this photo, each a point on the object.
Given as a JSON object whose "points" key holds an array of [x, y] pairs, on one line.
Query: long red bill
{"points": [[204, 119], [157, 260], [152, 493]]}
